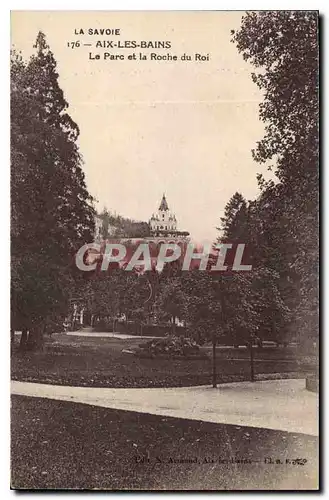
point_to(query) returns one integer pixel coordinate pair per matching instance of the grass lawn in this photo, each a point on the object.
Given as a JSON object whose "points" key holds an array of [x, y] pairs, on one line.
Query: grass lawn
{"points": [[100, 362], [70, 445]]}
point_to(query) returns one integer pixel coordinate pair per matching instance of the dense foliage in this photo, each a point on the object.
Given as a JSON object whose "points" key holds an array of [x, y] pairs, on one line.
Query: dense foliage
{"points": [[114, 225], [283, 221], [170, 346], [51, 209]]}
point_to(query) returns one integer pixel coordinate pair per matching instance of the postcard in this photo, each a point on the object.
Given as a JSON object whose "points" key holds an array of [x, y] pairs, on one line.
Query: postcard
{"points": [[164, 250]]}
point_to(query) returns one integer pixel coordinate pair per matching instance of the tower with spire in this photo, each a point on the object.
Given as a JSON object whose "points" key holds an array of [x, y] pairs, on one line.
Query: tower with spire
{"points": [[163, 223]]}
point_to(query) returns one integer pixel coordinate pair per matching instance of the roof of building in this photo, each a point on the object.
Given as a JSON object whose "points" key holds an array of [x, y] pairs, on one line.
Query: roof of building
{"points": [[163, 204]]}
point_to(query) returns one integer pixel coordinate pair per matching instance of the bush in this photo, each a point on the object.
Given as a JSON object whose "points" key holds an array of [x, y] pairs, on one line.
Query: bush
{"points": [[170, 346]]}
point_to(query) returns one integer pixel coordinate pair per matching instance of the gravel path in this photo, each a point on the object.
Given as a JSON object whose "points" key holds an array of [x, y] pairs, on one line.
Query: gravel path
{"points": [[274, 404]]}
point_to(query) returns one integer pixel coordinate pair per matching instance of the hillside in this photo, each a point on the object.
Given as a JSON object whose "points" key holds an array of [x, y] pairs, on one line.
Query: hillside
{"points": [[118, 226]]}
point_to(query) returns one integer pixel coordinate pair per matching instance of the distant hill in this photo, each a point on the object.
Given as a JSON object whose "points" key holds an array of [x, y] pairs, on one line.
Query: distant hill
{"points": [[117, 226]]}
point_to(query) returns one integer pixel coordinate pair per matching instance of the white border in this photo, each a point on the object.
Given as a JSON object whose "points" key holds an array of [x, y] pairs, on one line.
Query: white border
{"points": [[165, 5]]}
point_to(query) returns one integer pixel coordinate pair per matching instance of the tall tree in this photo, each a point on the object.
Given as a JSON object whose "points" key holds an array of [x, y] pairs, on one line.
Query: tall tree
{"points": [[52, 213], [171, 301], [260, 229], [234, 222], [204, 309], [283, 47], [238, 306], [117, 292]]}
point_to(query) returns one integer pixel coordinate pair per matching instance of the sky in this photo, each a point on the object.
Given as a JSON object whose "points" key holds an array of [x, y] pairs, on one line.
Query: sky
{"points": [[183, 128]]}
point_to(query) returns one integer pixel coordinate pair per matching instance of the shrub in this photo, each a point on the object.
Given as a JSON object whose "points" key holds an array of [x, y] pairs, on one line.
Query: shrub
{"points": [[170, 346]]}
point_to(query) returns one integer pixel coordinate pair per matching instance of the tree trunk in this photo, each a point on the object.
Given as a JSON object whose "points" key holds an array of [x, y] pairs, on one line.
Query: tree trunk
{"points": [[214, 372], [23, 341], [12, 336], [35, 340], [252, 370], [173, 325]]}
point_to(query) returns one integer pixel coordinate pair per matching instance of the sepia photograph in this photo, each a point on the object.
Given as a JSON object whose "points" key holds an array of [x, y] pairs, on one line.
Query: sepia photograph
{"points": [[164, 245]]}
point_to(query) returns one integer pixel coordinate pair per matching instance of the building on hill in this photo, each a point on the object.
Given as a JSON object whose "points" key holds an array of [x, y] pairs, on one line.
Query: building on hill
{"points": [[163, 224], [162, 228]]}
